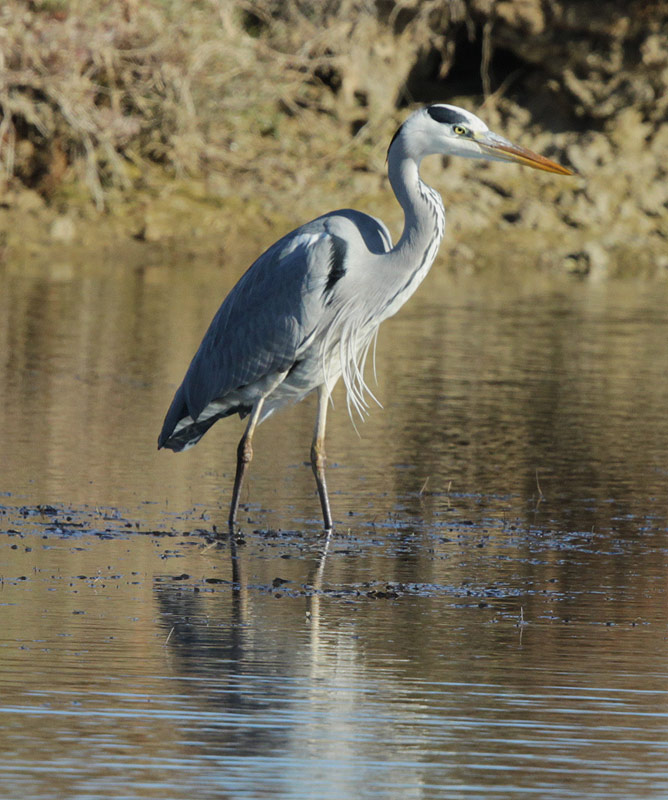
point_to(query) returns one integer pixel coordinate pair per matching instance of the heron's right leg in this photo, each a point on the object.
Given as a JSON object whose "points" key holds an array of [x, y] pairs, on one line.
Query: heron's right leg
{"points": [[244, 457], [318, 459]]}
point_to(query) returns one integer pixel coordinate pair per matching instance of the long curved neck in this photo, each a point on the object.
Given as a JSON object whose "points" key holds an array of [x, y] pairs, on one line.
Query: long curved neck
{"points": [[424, 215]]}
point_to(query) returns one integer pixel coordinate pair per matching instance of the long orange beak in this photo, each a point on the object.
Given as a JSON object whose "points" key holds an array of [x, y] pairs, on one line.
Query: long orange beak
{"points": [[501, 149]]}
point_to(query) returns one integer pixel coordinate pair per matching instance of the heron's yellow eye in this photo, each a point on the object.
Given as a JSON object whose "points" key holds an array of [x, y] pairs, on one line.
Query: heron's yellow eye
{"points": [[460, 130]]}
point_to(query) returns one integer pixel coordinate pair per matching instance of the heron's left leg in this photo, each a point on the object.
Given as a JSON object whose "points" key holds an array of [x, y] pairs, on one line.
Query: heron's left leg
{"points": [[244, 457], [318, 459]]}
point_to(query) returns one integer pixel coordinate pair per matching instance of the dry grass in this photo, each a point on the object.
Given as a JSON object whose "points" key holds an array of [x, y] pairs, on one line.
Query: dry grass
{"points": [[102, 88], [95, 92]]}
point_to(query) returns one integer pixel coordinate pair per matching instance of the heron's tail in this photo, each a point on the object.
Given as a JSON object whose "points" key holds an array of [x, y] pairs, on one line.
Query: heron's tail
{"points": [[180, 431], [187, 434]]}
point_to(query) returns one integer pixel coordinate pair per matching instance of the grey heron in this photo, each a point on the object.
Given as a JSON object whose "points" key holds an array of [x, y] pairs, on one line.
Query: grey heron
{"points": [[306, 312]]}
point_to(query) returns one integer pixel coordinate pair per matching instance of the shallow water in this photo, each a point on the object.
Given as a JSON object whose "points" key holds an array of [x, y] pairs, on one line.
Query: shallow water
{"points": [[487, 620]]}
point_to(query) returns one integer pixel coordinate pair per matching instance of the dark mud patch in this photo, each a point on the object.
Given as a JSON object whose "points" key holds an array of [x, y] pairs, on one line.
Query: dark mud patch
{"points": [[444, 536], [485, 565], [73, 522]]}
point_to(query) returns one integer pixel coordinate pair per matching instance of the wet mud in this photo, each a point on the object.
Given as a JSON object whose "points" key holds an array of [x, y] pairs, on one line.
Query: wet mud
{"points": [[298, 556]]}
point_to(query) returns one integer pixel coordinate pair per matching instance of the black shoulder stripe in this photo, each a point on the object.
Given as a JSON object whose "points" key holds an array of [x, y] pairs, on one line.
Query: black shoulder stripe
{"points": [[337, 258], [447, 115]]}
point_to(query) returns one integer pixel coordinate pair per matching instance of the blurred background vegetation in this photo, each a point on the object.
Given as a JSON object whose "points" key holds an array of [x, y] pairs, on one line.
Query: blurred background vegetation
{"points": [[160, 113]]}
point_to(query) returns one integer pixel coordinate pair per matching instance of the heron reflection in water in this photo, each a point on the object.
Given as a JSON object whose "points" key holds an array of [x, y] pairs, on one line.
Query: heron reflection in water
{"points": [[308, 310]]}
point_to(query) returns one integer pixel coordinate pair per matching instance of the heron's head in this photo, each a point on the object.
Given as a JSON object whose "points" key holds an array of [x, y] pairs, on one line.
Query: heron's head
{"points": [[452, 131]]}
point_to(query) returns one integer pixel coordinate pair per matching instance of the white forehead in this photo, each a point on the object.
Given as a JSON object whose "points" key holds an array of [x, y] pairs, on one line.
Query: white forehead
{"points": [[453, 115]]}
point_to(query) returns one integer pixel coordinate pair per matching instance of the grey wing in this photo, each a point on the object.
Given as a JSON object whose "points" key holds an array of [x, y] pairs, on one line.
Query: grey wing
{"points": [[276, 307], [373, 231], [272, 311]]}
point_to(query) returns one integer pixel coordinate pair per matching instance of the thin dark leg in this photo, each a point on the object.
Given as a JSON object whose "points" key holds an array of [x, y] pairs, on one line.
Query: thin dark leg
{"points": [[318, 459], [244, 457]]}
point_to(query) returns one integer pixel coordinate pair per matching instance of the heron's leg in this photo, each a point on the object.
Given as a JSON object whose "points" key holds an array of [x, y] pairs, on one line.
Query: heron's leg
{"points": [[244, 457], [318, 459]]}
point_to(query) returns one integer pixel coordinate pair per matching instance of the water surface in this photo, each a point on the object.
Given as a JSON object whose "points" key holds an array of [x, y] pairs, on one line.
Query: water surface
{"points": [[487, 620]]}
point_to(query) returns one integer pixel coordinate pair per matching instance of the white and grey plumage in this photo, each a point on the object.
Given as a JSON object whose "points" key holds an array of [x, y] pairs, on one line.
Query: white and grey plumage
{"points": [[306, 312]]}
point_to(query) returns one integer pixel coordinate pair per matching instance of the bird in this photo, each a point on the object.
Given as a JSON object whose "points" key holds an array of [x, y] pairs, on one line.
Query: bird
{"points": [[307, 311]]}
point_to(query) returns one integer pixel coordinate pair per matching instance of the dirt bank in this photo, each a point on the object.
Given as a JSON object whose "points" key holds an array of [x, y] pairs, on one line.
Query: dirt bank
{"points": [[141, 124]]}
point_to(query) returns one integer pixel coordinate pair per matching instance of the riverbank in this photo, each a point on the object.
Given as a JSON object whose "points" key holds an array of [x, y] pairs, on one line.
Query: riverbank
{"points": [[126, 131]]}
